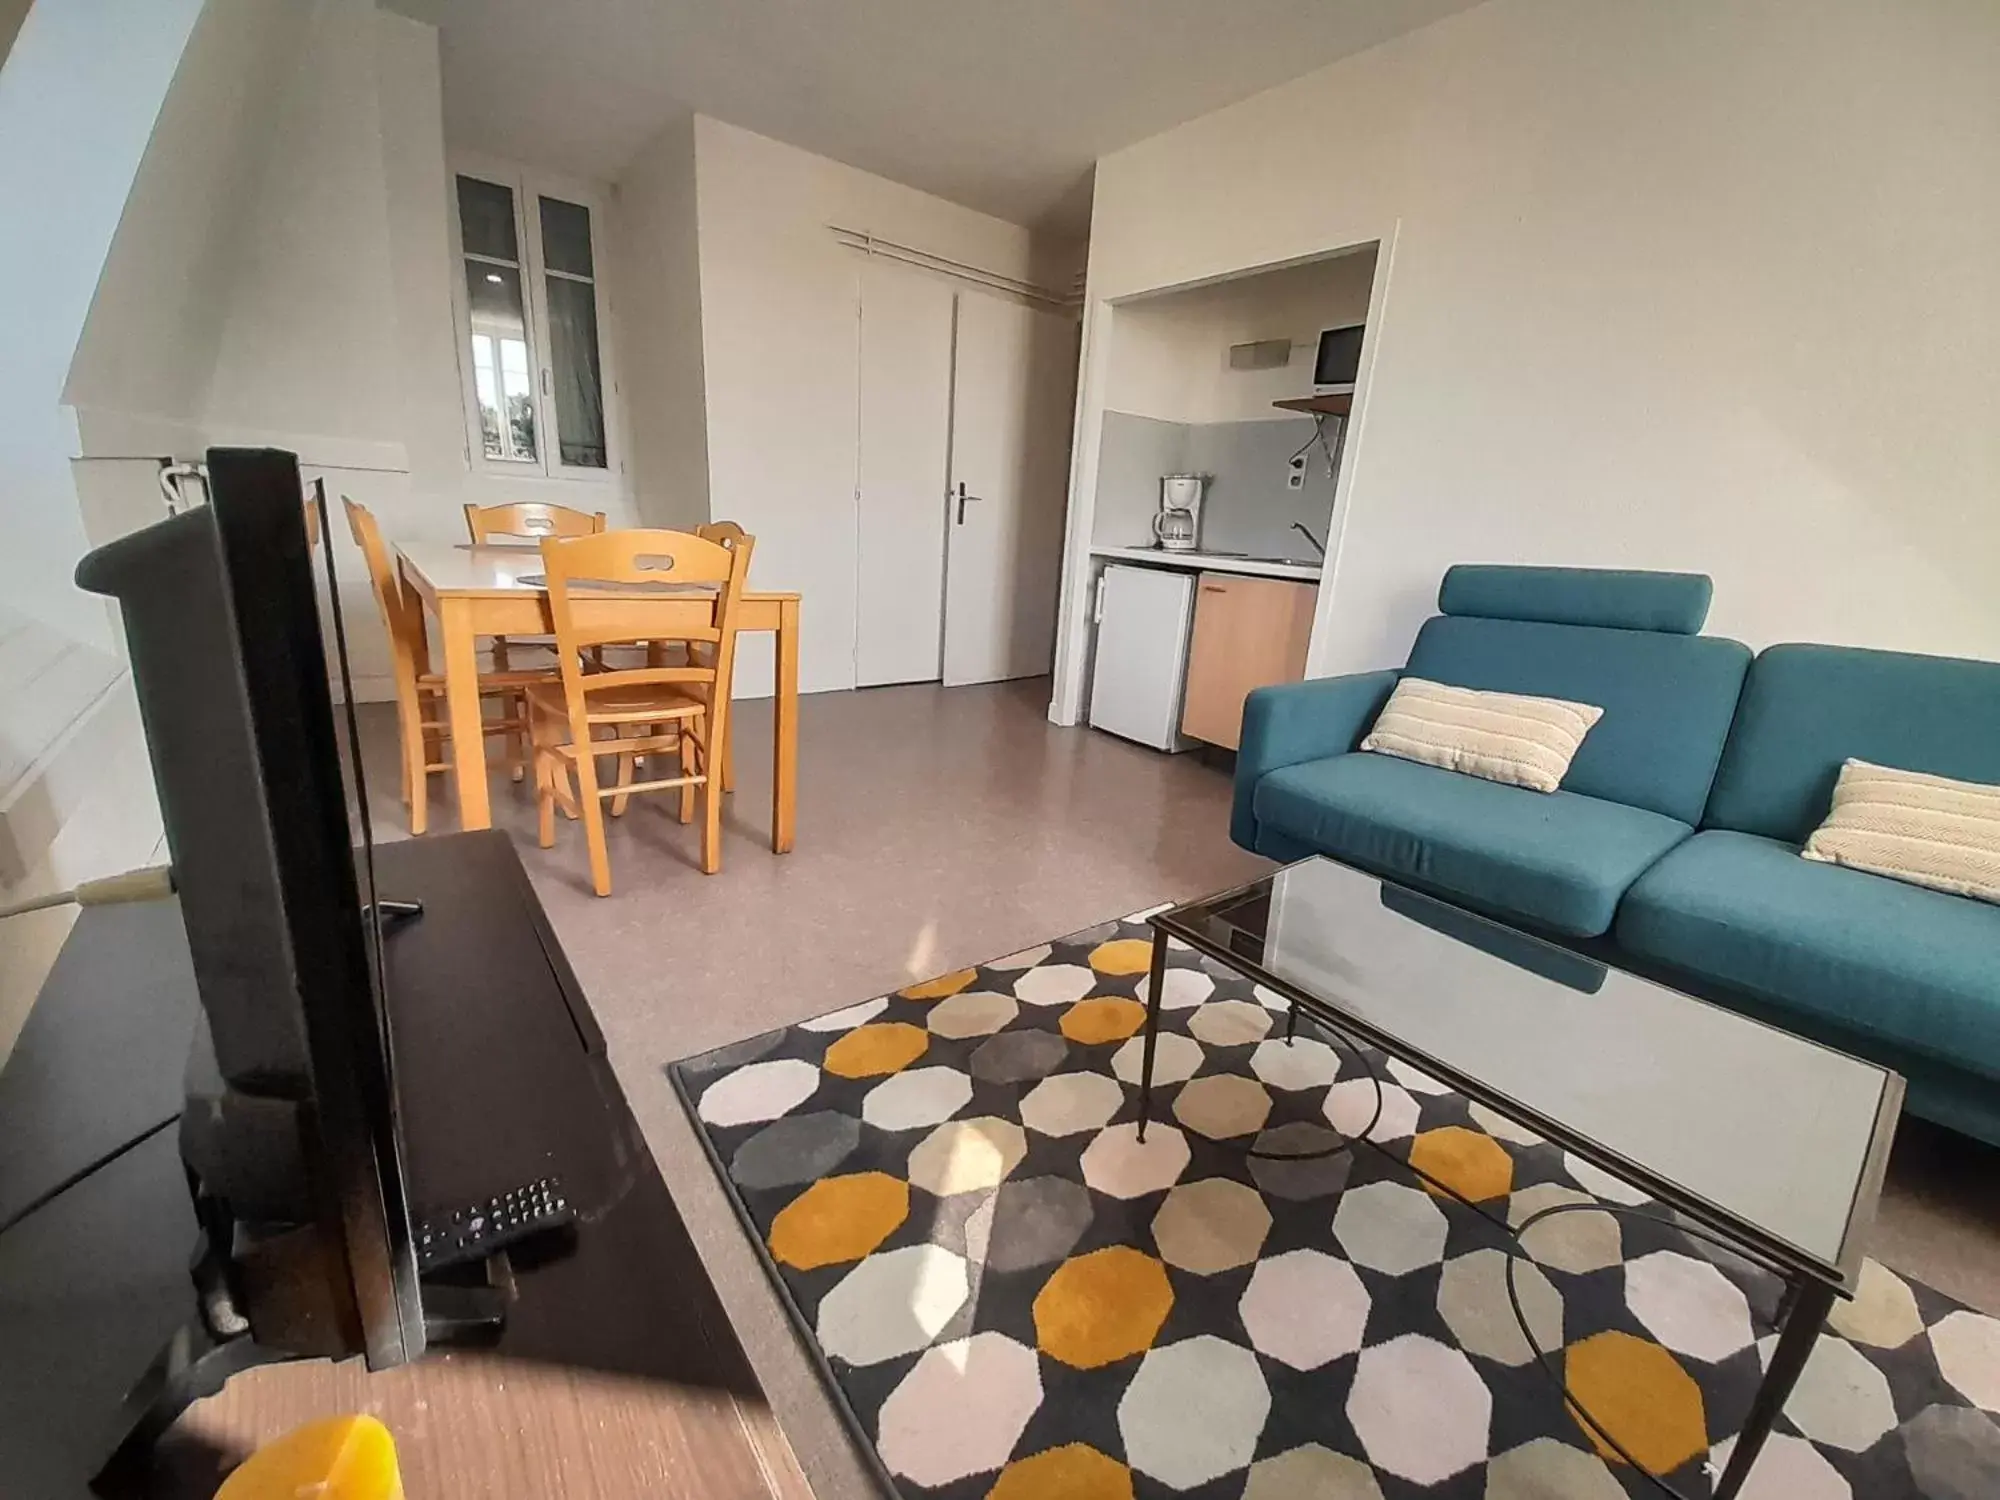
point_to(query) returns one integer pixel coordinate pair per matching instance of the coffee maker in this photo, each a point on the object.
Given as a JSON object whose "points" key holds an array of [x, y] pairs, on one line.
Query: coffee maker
{"points": [[1177, 527]]}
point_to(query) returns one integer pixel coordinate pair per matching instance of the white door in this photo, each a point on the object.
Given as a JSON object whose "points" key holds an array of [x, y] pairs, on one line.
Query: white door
{"points": [[902, 456], [1013, 402]]}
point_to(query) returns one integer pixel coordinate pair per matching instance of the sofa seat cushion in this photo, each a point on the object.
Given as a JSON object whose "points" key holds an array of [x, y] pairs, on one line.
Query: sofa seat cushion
{"points": [[1868, 954], [1556, 860]]}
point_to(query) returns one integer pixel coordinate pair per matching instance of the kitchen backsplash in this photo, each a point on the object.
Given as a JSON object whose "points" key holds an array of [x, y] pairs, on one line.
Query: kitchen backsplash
{"points": [[1248, 508]]}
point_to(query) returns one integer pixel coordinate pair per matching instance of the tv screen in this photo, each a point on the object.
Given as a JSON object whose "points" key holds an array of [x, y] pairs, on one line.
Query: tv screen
{"points": [[290, 1133], [1339, 356]]}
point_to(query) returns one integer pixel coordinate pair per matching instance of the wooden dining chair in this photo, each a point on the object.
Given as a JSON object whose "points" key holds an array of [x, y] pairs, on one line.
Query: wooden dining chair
{"points": [[527, 521], [669, 709], [727, 534], [422, 729]]}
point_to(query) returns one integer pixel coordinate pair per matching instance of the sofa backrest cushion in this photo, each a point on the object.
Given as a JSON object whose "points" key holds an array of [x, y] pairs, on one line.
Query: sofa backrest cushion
{"points": [[1667, 699], [1676, 603], [1807, 708]]}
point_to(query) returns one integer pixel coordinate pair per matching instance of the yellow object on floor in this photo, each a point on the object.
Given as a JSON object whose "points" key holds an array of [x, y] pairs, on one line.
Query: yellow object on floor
{"points": [[341, 1458]]}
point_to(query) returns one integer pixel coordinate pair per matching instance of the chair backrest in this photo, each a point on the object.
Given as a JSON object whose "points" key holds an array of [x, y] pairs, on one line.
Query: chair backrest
{"points": [[609, 589], [1808, 708], [531, 520], [726, 532], [1621, 640], [398, 609], [315, 503]]}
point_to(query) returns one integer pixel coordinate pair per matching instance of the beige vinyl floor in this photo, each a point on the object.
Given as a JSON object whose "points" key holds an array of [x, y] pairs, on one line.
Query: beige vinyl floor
{"points": [[938, 827]]}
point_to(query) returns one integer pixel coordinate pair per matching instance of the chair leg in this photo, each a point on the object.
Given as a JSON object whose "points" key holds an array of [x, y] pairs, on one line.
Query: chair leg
{"points": [[545, 779], [625, 764], [516, 707], [727, 754], [416, 780], [593, 812], [687, 769], [711, 816]]}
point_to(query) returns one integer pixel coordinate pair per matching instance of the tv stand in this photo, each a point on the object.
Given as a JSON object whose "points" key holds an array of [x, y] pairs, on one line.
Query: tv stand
{"points": [[502, 1077]]}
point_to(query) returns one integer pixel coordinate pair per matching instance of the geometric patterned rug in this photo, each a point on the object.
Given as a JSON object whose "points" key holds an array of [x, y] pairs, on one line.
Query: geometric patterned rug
{"points": [[1012, 1297]]}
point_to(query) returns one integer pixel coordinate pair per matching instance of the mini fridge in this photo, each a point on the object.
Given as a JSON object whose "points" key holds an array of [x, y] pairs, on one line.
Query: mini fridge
{"points": [[1143, 618]]}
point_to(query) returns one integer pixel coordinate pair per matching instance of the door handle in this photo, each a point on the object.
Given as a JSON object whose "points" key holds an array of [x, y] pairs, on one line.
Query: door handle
{"points": [[962, 499]]}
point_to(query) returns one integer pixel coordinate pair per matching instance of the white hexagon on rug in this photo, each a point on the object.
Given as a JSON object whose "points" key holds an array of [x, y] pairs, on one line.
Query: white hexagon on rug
{"points": [[1883, 1313], [1300, 1064], [917, 1098], [1070, 1103], [1270, 999], [1475, 1306], [1027, 958], [1688, 1305], [1391, 1228], [1501, 1128], [1577, 1240], [1350, 1104], [1176, 1059], [892, 1303], [1222, 1106], [1311, 1473], [1414, 1078], [1183, 989], [1230, 1023], [1210, 1226], [762, 1091], [1787, 1468], [1120, 1165], [1194, 1412], [971, 1013], [1420, 1409], [1550, 1469], [1841, 1400], [1599, 1183], [1304, 1308], [965, 1156], [848, 1019], [960, 1410], [1055, 984], [1967, 1346]]}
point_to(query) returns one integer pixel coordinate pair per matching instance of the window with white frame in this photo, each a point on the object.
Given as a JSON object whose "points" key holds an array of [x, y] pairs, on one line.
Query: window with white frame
{"points": [[535, 387]]}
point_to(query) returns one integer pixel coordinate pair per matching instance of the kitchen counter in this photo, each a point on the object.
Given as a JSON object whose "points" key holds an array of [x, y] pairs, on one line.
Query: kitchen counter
{"points": [[1210, 562]]}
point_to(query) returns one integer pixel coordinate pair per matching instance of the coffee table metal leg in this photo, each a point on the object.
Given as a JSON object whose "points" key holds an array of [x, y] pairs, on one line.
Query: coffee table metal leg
{"points": [[1156, 978], [1807, 1303]]}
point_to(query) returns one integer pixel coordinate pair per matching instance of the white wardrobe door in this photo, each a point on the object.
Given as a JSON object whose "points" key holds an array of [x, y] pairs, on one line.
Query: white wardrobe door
{"points": [[1013, 407], [902, 460]]}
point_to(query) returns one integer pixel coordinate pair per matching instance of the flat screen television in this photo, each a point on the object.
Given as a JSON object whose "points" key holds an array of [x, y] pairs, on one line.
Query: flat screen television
{"points": [[290, 1131], [1339, 357]]}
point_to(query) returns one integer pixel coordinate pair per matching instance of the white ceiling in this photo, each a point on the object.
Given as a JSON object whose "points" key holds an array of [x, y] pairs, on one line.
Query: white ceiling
{"points": [[1002, 105]]}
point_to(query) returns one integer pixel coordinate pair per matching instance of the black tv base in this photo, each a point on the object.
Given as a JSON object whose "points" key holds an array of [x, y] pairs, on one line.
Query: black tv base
{"points": [[502, 1077]]}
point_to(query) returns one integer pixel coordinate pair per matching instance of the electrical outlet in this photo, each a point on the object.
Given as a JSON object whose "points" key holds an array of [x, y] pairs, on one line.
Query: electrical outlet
{"points": [[1295, 477]]}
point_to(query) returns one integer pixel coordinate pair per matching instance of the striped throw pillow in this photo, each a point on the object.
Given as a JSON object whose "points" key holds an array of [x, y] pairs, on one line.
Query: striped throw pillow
{"points": [[1928, 830], [1498, 736]]}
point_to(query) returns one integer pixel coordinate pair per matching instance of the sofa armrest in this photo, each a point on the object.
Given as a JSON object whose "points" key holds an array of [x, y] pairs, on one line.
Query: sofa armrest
{"points": [[1293, 722]]}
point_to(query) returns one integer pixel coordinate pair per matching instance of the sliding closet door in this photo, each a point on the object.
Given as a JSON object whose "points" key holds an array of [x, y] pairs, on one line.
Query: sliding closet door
{"points": [[904, 452]]}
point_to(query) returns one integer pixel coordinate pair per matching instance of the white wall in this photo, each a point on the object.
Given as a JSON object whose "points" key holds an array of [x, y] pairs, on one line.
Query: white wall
{"points": [[779, 301], [655, 254], [1706, 286]]}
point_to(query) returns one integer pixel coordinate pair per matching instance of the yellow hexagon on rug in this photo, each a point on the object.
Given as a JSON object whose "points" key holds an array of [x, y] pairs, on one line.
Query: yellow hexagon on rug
{"points": [[1102, 1307], [839, 1219], [1108, 1018], [1641, 1396], [943, 985], [1122, 956], [1469, 1162], [883, 1047], [1075, 1471]]}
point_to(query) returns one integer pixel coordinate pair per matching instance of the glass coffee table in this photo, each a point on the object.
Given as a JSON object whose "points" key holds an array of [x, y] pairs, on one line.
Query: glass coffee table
{"points": [[1766, 1143]]}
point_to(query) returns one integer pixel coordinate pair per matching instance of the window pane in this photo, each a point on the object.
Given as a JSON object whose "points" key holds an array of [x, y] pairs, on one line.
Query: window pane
{"points": [[566, 237], [501, 367], [486, 219], [579, 382]]}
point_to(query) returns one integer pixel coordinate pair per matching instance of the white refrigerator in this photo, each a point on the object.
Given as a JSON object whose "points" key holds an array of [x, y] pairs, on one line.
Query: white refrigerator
{"points": [[1136, 686]]}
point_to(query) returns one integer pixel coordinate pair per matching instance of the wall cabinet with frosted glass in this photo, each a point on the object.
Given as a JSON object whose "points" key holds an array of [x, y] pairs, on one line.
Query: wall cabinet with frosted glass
{"points": [[531, 316]]}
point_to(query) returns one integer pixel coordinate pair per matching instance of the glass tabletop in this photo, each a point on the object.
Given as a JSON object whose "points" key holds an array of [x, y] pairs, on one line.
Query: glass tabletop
{"points": [[1786, 1138]]}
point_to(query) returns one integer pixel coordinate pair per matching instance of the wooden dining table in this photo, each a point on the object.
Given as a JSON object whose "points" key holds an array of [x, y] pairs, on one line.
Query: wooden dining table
{"points": [[474, 591]]}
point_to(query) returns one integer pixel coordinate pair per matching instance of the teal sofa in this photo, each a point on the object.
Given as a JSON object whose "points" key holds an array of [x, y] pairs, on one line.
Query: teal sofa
{"points": [[1672, 847]]}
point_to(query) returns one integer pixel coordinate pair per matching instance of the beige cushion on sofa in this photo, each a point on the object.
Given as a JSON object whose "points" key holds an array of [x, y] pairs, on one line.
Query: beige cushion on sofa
{"points": [[1909, 825], [1505, 737]]}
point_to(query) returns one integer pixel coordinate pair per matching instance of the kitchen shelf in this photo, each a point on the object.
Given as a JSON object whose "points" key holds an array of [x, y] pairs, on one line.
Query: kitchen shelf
{"points": [[1336, 405]]}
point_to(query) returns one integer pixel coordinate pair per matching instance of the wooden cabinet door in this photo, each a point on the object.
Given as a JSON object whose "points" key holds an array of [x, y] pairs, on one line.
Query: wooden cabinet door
{"points": [[1247, 632]]}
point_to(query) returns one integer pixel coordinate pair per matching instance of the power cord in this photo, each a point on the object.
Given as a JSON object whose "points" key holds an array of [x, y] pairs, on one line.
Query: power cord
{"points": [[148, 884]]}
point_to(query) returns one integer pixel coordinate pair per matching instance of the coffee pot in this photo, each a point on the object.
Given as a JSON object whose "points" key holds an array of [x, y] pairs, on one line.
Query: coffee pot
{"points": [[1177, 526]]}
